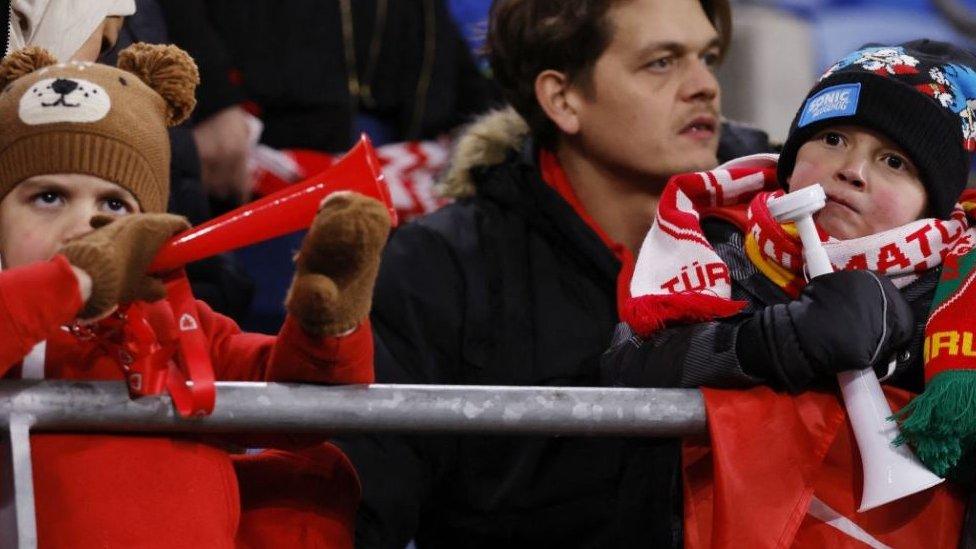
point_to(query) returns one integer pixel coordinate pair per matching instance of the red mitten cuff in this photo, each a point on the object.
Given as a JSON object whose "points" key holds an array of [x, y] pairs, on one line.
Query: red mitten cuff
{"points": [[334, 359]]}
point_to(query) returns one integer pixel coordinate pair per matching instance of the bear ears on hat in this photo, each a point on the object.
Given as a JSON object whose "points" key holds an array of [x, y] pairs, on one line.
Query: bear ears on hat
{"points": [[24, 61], [168, 70]]}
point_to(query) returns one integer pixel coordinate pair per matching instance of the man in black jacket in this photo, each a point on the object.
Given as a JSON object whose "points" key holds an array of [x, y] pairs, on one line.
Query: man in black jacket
{"points": [[514, 283]]}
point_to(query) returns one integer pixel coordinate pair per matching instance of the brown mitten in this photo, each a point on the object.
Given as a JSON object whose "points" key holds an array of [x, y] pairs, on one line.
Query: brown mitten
{"points": [[116, 256], [337, 265]]}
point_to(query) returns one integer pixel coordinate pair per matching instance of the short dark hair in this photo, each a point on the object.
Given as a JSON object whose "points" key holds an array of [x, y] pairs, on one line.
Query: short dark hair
{"points": [[526, 37]]}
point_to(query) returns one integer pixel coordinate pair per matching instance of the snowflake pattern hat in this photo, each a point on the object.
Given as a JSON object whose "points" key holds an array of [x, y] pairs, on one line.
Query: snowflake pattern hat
{"points": [[920, 94]]}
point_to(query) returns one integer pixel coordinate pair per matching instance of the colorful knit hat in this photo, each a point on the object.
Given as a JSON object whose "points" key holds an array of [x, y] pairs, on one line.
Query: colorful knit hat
{"points": [[920, 94], [94, 119]]}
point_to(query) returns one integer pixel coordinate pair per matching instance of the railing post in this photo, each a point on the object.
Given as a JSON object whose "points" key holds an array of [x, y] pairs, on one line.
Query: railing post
{"points": [[18, 524]]}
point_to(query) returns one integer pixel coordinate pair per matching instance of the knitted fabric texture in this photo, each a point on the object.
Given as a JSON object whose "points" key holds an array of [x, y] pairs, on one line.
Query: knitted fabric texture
{"points": [[940, 423], [117, 255], [920, 94], [86, 118], [337, 266]]}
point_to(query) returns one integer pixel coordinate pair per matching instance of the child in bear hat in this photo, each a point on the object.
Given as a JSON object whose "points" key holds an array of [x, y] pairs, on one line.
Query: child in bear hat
{"points": [[84, 176], [720, 298]]}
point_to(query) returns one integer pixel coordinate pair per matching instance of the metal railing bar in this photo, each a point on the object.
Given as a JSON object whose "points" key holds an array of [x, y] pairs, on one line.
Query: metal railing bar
{"points": [[105, 406], [300, 408]]}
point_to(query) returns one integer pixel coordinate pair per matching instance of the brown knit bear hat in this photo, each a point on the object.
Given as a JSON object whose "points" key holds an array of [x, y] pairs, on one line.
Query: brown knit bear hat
{"points": [[95, 119]]}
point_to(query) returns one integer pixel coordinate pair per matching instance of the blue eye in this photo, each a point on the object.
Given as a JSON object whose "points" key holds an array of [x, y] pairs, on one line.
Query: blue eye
{"points": [[116, 206], [47, 199], [661, 64]]}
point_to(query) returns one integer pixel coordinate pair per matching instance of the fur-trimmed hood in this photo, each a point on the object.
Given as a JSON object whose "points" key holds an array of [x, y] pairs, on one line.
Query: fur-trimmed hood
{"points": [[485, 142], [492, 136]]}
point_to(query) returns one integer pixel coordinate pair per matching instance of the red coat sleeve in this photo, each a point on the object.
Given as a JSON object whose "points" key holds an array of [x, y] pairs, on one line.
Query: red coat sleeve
{"points": [[293, 355], [35, 301]]}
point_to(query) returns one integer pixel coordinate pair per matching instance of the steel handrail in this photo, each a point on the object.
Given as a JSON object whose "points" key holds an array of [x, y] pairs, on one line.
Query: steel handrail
{"points": [[283, 407], [260, 408]]}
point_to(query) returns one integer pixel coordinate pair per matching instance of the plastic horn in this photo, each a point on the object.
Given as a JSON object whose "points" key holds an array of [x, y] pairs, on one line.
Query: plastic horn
{"points": [[890, 472], [288, 210]]}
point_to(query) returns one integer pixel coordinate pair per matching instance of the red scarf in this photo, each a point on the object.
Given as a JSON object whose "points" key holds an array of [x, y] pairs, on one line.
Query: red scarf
{"points": [[554, 176], [679, 278]]}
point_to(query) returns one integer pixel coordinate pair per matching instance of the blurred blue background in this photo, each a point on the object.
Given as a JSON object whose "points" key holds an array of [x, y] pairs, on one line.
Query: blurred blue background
{"points": [[780, 47]]}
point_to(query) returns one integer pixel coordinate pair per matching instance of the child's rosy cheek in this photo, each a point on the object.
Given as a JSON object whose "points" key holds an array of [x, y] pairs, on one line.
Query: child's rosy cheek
{"points": [[892, 209], [37, 244], [804, 174]]}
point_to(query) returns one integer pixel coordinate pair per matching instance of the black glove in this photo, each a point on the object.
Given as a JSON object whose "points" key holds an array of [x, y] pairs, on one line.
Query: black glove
{"points": [[847, 320]]}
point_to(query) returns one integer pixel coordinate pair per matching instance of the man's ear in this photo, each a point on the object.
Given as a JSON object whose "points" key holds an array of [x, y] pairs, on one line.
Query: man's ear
{"points": [[558, 100]]}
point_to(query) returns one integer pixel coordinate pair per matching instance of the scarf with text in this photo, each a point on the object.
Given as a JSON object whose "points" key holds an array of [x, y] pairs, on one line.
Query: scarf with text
{"points": [[940, 423], [679, 278]]}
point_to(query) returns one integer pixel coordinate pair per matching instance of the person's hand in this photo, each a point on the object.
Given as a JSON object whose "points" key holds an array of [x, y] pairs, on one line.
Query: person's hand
{"points": [[116, 255], [847, 320], [223, 143], [336, 268]]}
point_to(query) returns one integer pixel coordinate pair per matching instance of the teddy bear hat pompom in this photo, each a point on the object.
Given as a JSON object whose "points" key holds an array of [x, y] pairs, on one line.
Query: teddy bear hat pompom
{"points": [[24, 61], [168, 70]]}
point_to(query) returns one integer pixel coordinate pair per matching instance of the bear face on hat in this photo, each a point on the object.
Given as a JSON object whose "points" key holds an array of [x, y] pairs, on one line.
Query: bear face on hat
{"points": [[108, 122], [66, 98]]}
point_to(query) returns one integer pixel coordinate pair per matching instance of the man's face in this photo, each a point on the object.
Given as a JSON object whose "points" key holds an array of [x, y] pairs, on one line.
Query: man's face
{"points": [[43, 212], [870, 182], [651, 108]]}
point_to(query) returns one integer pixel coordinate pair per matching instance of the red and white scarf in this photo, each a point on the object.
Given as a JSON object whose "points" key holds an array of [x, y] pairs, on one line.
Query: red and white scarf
{"points": [[679, 278]]}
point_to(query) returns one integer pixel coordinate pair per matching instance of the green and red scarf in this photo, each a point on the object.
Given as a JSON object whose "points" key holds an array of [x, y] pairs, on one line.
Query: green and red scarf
{"points": [[940, 423]]}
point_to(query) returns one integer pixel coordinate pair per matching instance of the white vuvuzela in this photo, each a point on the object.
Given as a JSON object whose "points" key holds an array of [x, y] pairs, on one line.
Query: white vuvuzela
{"points": [[890, 472]]}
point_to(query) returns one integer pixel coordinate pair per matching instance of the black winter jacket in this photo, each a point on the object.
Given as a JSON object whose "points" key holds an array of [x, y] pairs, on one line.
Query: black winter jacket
{"points": [[704, 354], [507, 286], [291, 60]]}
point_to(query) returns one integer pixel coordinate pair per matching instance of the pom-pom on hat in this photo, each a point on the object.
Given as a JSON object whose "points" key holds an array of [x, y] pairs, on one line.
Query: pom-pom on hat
{"points": [[920, 94], [108, 122]]}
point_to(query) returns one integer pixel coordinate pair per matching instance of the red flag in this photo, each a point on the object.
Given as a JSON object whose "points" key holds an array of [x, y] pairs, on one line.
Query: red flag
{"points": [[783, 471]]}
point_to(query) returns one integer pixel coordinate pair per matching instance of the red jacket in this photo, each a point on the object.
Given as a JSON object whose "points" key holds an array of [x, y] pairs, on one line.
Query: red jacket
{"points": [[151, 491]]}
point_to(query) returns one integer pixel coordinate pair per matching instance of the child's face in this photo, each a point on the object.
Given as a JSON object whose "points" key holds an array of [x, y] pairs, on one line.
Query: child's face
{"points": [[42, 213], [871, 184]]}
